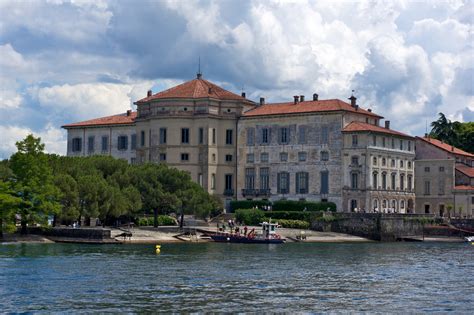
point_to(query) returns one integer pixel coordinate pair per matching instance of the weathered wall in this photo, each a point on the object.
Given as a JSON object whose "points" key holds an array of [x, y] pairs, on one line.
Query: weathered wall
{"points": [[375, 226], [88, 233]]}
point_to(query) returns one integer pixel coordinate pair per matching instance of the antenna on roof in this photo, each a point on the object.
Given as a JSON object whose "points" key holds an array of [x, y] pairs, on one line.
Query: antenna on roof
{"points": [[199, 74]]}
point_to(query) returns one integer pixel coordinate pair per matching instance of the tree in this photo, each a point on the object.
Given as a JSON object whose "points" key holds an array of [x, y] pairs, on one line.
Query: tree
{"points": [[455, 133], [33, 182], [69, 197]]}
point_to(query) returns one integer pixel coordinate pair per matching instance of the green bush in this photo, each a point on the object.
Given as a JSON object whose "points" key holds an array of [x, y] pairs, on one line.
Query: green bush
{"points": [[162, 220], [293, 205], [250, 216], [289, 215], [294, 224], [248, 204]]}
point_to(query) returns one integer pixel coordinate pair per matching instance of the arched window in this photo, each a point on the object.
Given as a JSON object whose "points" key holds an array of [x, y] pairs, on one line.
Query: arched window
{"points": [[376, 204], [401, 164], [394, 204], [384, 204], [384, 180], [402, 204], [402, 181], [384, 162], [374, 180]]}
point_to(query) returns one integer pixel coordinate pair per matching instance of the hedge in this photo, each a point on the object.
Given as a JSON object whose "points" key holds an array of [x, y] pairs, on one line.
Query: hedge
{"points": [[250, 216], [292, 205], [162, 220], [248, 204], [294, 224], [289, 215]]}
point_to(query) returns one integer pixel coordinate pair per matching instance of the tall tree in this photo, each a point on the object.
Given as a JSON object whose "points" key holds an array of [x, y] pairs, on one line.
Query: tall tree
{"points": [[33, 182]]}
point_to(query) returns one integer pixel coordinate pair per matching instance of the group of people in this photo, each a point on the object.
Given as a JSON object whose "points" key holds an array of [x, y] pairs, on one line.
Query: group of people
{"points": [[236, 230]]}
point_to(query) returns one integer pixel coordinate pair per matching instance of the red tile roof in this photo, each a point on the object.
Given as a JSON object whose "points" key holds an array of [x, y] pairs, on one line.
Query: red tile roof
{"points": [[463, 187], [356, 126], [197, 88], [445, 146], [466, 170], [306, 107], [120, 119]]}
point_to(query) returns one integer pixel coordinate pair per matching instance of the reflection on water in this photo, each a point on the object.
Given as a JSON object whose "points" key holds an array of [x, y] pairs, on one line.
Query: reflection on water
{"points": [[381, 277]]}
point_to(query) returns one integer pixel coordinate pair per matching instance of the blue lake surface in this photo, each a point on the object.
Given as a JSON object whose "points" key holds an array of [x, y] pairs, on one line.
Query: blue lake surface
{"points": [[301, 277]]}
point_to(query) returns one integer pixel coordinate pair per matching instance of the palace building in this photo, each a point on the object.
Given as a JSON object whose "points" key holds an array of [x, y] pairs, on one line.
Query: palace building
{"points": [[315, 150]]}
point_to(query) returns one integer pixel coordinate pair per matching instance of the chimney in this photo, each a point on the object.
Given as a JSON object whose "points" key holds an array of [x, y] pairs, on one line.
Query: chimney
{"points": [[262, 101], [129, 112], [199, 75], [148, 94], [369, 110], [315, 97], [452, 148], [353, 100], [243, 94], [296, 99], [210, 90], [301, 98], [387, 124]]}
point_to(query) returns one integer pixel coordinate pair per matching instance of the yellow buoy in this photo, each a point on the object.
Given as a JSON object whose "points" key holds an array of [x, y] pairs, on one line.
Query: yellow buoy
{"points": [[158, 249]]}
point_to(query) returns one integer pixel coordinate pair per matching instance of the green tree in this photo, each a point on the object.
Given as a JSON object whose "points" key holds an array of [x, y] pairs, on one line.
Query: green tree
{"points": [[33, 182], [69, 197]]}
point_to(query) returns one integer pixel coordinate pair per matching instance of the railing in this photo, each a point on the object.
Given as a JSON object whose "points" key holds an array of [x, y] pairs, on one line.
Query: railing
{"points": [[228, 192], [256, 192]]}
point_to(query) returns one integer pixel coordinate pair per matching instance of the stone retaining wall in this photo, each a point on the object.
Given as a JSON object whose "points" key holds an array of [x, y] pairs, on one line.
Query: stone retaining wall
{"points": [[68, 232]]}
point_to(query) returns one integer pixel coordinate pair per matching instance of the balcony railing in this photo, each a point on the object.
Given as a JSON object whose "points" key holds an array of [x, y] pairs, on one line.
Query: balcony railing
{"points": [[256, 192], [228, 192]]}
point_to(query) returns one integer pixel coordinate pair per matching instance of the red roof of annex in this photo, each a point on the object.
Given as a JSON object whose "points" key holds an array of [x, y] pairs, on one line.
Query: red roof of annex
{"points": [[466, 170], [463, 187], [306, 107], [197, 88], [445, 146], [356, 126], [120, 119]]}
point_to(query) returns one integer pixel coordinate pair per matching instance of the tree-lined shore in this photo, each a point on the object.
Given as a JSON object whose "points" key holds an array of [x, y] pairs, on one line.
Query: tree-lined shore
{"points": [[35, 186]]}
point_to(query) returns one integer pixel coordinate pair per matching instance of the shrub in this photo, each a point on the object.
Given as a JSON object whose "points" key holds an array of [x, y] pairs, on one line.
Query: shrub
{"points": [[248, 204], [162, 220], [294, 224], [250, 216], [289, 215], [293, 205]]}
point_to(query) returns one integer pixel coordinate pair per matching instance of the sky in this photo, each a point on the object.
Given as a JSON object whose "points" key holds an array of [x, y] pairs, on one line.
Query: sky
{"points": [[64, 61]]}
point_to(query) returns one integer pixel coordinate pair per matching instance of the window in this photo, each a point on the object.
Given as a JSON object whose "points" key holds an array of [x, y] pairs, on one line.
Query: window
{"points": [[427, 188], [284, 135], [90, 144], [384, 180], [353, 205], [142, 138], [393, 143], [375, 180], [384, 162], [355, 161], [213, 181], [401, 144], [427, 169], [162, 156], [402, 181], [264, 178], [409, 184], [409, 165], [200, 182], [302, 183], [162, 135], [265, 136], [213, 135], [354, 140], [228, 181], [402, 204], [283, 181], [441, 184], [354, 181], [250, 136], [283, 157], [374, 141], [374, 160], [228, 136], [264, 157], [302, 135], [201, 136], [401, 164], [324, 182], [324, 135], [441, 169], [301, 156], [184, 156], [228, 157], [213, 157], [383, 142], [409, 145], [122, 142], [250, 158], [184, 135], [200, 157], [134, 141], [392, 163], [324, 156], [249, 178], [472, 200], [105, 143]]}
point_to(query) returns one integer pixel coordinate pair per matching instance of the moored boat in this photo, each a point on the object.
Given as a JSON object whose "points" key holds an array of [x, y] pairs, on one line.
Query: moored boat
{"points": [[268, 236]]}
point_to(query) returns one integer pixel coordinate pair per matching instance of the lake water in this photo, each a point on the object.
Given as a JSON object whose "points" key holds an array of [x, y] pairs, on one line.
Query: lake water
{"points": [[366, 277]]}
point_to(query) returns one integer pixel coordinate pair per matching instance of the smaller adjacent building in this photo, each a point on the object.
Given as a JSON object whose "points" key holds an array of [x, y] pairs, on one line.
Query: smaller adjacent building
{"points": [[444, 179], [112, 135]]}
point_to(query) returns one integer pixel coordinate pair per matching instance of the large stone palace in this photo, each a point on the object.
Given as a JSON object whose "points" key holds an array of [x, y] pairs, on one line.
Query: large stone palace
{"points": [[235, 148]]}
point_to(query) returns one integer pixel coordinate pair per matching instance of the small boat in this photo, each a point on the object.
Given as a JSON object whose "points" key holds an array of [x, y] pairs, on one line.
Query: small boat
{"points": [[469, 239], [268, 236]]}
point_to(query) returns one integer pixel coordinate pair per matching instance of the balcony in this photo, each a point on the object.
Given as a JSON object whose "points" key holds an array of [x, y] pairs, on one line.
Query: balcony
{"points": [[256, 192], [264, 192], [228, 192]]}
